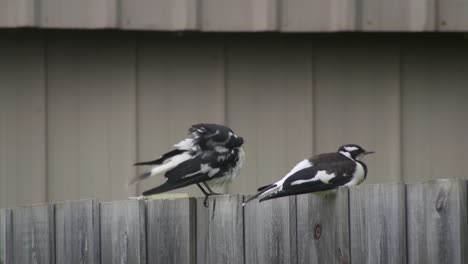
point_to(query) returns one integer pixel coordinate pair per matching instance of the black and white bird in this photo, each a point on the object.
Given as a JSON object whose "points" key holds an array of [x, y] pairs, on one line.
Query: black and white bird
{"points": [[212, 155], [320, 173]]}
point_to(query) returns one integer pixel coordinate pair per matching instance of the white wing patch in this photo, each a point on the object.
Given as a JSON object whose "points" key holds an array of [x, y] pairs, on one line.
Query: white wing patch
{"points": [[279, 184], [322, 175], [171, 163], [300, 166], [185, 144]]}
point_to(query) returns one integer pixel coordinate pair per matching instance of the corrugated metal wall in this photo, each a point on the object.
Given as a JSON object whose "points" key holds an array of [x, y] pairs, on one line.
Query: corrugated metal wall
{"points": [[239, 15], [78, 108]]}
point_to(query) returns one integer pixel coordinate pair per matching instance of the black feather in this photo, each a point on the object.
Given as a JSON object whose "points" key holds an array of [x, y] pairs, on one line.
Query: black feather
{"points": [[161, 159]]}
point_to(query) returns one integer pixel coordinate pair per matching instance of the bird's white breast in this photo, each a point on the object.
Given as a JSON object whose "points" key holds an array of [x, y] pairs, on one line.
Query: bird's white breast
{"points": [[358, 175], [233, 173]]}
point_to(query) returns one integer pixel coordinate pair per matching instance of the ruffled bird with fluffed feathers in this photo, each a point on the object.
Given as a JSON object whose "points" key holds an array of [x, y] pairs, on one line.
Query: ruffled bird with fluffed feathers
{"points": [[320, 173], [212, 155]]}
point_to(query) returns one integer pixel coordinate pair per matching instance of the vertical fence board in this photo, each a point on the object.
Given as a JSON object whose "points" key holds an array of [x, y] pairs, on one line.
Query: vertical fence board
{"points": [[437, 222], [270, 231], [123, 232], [220, 230], [171, 231], [5, 236], [323, 227], [77, 232], [378, 223], [33, 234]]}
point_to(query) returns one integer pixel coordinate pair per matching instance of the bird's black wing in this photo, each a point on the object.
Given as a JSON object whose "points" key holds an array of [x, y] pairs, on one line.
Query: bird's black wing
{"points": [[305, 180], [201, 168], [161, 159]]}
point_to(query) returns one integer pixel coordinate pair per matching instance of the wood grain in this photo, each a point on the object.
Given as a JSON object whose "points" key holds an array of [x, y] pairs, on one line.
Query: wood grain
{"points": [[123, 232], [77, 232], [220, 230], [437, 222], [270, 231], [323, 227], [33, 234], [171, 231], [378, 223]]}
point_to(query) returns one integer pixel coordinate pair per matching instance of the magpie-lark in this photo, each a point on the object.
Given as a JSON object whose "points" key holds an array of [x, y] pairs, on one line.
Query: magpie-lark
{"points": [[319, 173], [212, 155]]}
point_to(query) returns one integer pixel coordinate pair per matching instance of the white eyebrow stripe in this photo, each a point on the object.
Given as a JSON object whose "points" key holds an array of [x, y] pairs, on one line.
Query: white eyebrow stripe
{"points": [[349, 149]]}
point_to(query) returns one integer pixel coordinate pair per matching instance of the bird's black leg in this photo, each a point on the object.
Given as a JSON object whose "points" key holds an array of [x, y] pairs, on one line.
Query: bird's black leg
{"points": [[210, 190], [207, 194], [203, 190]]}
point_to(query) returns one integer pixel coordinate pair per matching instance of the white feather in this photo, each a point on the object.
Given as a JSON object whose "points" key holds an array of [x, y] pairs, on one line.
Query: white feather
{"points": [[231, 175], [186, 144], [279, 184], [358, 176], [322, 175], [170, 164]]}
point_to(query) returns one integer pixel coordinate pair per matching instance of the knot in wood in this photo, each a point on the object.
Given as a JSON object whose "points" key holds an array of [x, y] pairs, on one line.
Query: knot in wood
{"points": [[440, 201], [317, 231]]}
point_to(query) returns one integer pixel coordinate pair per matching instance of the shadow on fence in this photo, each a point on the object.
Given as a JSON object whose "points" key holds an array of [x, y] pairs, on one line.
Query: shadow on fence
{"points": [[378, 223]]}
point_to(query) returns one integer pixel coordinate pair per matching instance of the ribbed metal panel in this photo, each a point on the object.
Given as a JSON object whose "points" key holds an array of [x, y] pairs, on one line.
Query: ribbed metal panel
{"points": [[18, 13], [78, 108], [239, 15]]}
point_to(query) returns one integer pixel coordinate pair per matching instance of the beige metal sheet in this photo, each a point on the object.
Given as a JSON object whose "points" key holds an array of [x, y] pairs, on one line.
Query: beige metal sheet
{"points": [[435, 124], [318, 15], [180, 83], [452, 15], [159, 14], [91, 115], [269, 103], [357, 100], [78, 14], [239, 15], [22, 119], [18, 13], [400, 15]]}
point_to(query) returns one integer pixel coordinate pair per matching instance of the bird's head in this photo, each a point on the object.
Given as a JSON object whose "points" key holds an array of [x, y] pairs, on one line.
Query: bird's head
{"points": [[214, 136], [234, 141], [353, 151]]}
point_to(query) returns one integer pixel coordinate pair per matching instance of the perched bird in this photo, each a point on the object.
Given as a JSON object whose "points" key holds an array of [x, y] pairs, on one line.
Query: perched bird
{"points": [[321, 172], [212, 155]]}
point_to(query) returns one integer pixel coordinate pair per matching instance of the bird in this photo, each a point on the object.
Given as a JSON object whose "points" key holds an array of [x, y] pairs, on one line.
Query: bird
{"points": [[211, 155], [319, 173]]}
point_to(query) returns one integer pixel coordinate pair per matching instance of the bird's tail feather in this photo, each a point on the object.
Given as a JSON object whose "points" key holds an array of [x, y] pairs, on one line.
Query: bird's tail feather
{"points": [[262, 190], [168, 186], [139, 177]]}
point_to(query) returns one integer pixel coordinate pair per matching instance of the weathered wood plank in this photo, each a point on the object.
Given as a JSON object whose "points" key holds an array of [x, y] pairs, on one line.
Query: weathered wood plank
{"points": [[378, 223], [123, 232], [323, 227], [270, 231], [77, 232], [437, 222], [5, 236], [33, 234], [220, 230], [171, 231]]}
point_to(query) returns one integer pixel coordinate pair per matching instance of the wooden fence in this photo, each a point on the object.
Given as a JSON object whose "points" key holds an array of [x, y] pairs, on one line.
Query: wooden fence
{"points": [[381, 223]]}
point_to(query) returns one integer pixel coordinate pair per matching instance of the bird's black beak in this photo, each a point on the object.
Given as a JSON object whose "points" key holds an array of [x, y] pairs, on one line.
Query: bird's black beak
{"points": [[368, 152]]}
